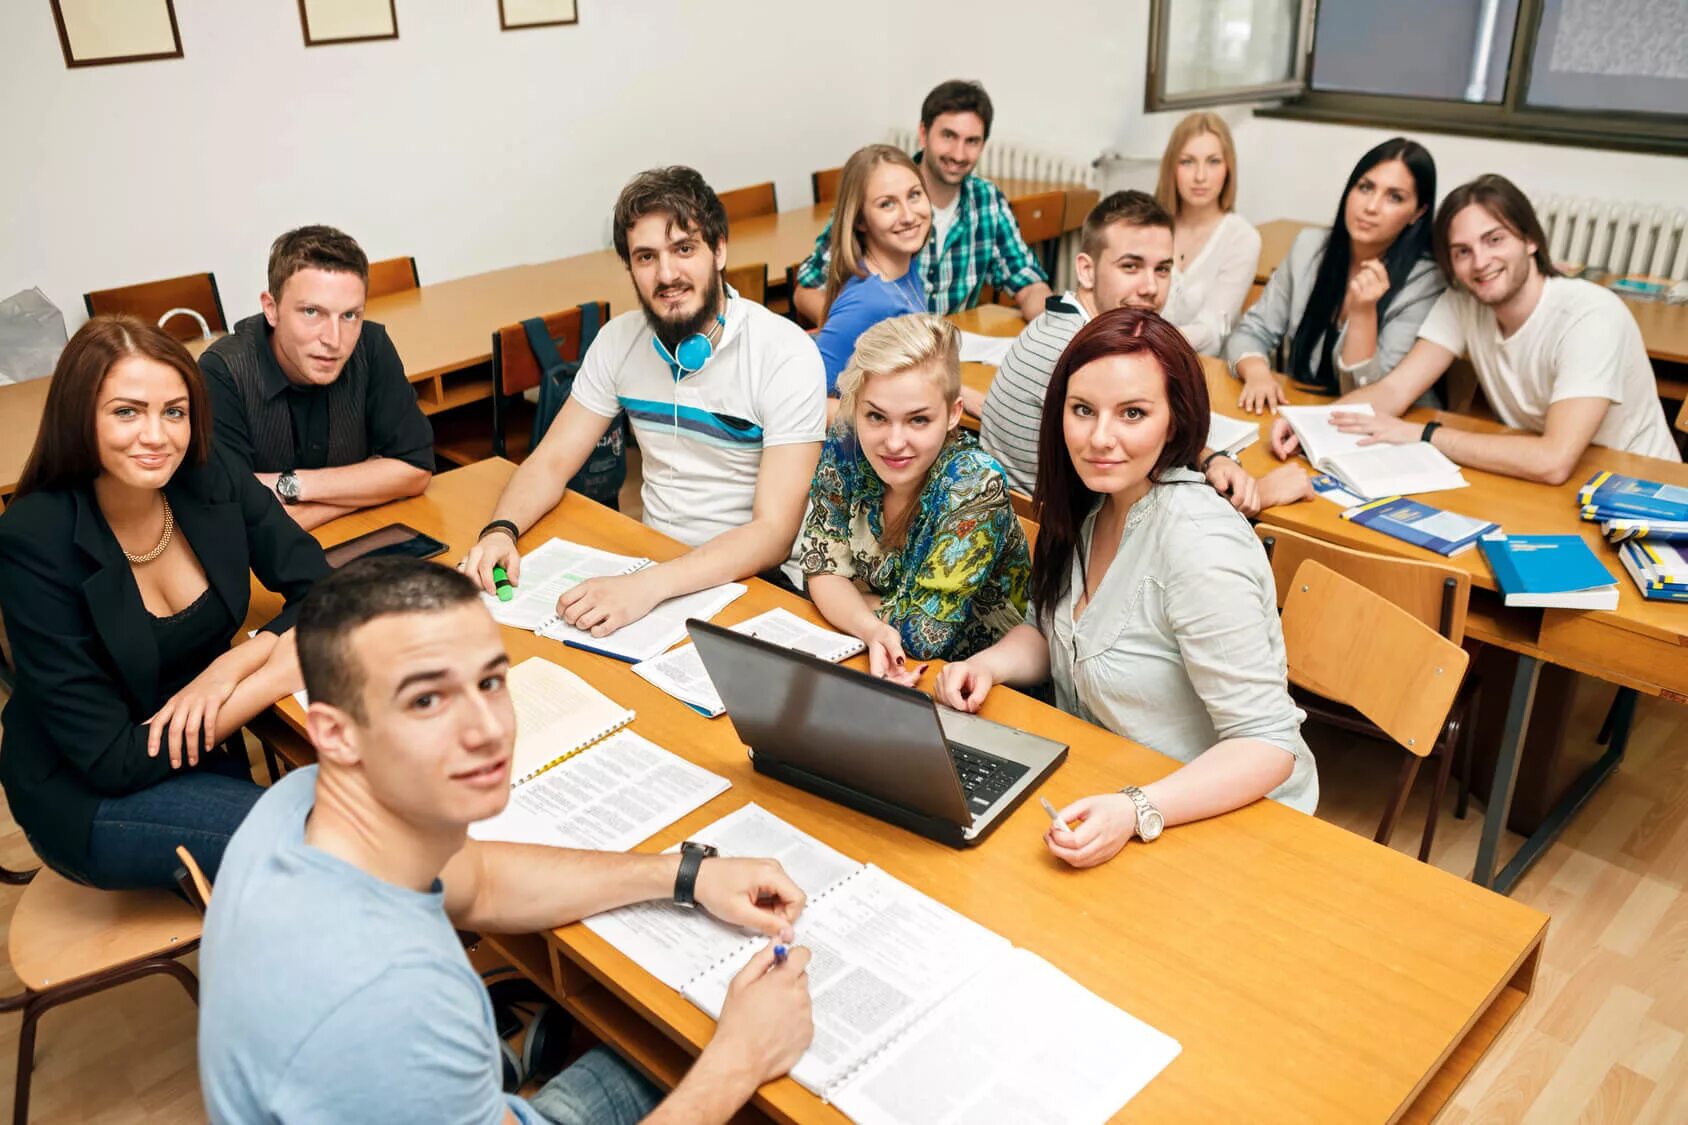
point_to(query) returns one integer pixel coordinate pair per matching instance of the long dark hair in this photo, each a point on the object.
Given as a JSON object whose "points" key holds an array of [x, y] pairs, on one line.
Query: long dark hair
{"points": [[1062, 501], [66, 452], [1314, 342]]}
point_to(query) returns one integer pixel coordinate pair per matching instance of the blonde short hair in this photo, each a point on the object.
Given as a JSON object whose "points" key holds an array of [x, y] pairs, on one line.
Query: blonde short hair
{"points": [[1166, 189], [900, 344]]}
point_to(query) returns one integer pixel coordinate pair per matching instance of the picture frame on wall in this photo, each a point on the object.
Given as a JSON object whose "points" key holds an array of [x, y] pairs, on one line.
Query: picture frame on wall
{"points": [[102, 32], [348, 21], [517, 14]]}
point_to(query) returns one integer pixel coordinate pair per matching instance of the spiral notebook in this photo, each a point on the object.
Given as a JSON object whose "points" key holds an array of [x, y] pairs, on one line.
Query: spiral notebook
{"points": [[916, 1007], [680, 671], [558, 715]]}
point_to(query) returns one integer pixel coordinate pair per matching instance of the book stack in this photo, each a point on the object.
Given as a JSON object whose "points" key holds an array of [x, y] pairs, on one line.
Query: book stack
{"points": [[1648, 520]]}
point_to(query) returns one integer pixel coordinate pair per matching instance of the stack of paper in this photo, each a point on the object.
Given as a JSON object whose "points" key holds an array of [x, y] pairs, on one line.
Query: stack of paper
{"points": [[680, 671]]}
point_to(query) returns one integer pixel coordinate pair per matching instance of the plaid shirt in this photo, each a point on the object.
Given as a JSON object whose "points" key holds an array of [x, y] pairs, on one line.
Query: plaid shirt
{"points": [[982, 246]]}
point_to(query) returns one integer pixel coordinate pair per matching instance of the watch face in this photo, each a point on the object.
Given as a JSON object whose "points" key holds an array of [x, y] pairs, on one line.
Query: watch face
{"points": [[1149, 824], [288, 486]]}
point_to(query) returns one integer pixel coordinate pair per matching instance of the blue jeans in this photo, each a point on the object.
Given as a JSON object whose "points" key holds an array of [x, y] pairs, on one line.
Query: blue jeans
{"points": [[598, 1089]]}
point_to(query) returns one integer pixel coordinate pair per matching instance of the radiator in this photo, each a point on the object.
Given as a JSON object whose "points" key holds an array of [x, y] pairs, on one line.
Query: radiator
{"points": [[1005, 160], [1619, 238]]}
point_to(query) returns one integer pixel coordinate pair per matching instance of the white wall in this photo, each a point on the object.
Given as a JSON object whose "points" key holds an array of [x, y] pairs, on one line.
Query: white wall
{"points": [[469, 147]]}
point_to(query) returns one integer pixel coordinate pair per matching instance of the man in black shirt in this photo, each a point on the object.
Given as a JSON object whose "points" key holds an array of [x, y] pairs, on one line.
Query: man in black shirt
{"points": [[312, 399]]}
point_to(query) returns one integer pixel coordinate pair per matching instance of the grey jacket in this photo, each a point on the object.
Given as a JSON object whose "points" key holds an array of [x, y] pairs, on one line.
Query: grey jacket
{"points": [[1273, 319]]}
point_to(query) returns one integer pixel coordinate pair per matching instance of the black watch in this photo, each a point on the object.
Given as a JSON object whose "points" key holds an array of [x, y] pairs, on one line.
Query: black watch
{"points": [[692, 855], [287, 487], [1214, 456], [1429, 428]]}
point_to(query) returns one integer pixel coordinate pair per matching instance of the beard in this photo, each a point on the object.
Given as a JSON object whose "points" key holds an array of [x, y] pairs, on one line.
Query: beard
{"points": [[671, 332]]}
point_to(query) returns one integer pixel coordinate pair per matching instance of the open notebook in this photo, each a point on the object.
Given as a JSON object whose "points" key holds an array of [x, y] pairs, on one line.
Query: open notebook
{"points": [[1231, 435], [680, 671], [915, 1006], [558, 715], [1370, 471], [558, 565]]}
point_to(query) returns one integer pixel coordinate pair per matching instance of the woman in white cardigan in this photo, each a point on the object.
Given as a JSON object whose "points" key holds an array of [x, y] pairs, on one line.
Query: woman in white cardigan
{"points": [[1215, 250]]}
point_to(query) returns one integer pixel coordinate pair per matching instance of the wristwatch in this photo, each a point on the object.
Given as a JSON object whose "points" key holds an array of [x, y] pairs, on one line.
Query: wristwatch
{"points": [[1149, 820], [692, 855], [1214, 456], [1429, 429], [287, 487]]}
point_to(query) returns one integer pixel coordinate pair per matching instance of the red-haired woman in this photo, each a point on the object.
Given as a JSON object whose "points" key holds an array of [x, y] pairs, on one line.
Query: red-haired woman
{"points": [[1153, 604], [124, 575]]}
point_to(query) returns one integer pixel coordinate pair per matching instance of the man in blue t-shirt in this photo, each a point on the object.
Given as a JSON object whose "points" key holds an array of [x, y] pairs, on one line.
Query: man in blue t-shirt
{"points": [[334, 986]]}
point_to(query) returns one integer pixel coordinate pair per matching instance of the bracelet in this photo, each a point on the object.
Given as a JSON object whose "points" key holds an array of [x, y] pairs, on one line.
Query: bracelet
{"points": [[1209, 459], [514, 532], [1429, 428]]}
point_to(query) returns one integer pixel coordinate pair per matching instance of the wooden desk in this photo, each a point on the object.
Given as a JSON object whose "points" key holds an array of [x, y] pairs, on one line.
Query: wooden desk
{"points": [[1309, 974], [21, 405]]}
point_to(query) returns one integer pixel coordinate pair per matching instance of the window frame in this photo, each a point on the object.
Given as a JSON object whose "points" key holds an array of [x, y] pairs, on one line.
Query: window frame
{"points": [[1156, 99]]}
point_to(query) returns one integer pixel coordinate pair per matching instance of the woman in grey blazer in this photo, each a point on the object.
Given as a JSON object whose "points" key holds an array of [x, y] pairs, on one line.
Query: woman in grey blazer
{"points": [[1348, 300]]}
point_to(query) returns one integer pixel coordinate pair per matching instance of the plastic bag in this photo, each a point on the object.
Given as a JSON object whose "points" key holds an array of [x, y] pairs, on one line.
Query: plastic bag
{"points": [[31, 336]]}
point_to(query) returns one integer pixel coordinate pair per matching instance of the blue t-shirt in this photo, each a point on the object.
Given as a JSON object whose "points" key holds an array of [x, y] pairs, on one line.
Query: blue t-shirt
{"points": [[862, 303], [327, 994]]}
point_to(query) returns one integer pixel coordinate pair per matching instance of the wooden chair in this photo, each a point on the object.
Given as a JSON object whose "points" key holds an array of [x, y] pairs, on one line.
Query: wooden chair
{"points": [[1360, 650], [514, 370], [152, 300], [1040, 218], [750, 281], [392, 275], [1434, 595], [749, 202], [825, 183], [68, 941]]}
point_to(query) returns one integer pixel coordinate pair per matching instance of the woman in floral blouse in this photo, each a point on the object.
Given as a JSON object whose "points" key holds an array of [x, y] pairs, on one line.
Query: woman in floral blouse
{"points": [[911, 543]]}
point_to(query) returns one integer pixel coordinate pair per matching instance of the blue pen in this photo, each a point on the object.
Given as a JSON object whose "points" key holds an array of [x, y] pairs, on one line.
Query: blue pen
{"points": [[780, 953], [602, 652]]}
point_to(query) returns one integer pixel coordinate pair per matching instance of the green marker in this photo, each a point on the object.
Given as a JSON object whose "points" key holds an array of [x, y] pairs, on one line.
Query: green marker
{"points": [[501, 582]]}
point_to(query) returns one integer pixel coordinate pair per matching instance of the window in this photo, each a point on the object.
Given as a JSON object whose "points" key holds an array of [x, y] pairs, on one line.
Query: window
{"points": [[1606, 73]]}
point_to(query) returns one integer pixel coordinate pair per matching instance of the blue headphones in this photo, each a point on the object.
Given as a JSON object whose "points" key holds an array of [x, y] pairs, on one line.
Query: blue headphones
{"points": [[694, 351]]}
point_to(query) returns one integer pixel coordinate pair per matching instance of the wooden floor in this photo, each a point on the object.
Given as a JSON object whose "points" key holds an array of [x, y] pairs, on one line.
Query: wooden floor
{"points": [[1602, 1039]]}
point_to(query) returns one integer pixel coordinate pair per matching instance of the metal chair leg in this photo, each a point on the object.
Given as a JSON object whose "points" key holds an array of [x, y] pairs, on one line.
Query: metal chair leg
{"points": [[1448, 748], [1403, 789]]}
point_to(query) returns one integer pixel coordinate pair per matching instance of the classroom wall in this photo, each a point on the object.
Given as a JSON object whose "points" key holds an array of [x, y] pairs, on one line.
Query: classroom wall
{"points": [[469, 147]]}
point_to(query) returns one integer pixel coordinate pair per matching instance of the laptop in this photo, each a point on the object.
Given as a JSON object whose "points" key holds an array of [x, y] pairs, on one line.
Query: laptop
{"points": [[878, 747]]}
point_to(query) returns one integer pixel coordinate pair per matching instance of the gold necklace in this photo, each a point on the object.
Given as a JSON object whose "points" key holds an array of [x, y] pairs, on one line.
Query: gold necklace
{"points": [[163, 540]]}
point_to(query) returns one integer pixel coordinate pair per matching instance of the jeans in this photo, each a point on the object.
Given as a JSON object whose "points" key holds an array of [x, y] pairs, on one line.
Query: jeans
{"points": [[598, 1089], [134, 837]]}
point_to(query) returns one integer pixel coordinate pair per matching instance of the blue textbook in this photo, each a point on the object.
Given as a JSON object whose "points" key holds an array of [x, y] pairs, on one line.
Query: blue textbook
{"points": [[1446, 533], [1608, 494], [1653, 573], [1549, 571], [1621, 528]]}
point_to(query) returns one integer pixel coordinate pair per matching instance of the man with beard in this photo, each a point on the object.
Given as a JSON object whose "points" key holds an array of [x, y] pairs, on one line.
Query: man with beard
{"points": [[975, 239], [726, 400], [1559, 359]]}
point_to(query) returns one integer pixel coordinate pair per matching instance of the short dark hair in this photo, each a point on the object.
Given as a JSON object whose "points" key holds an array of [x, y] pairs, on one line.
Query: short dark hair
{"points": [[957, 96], [1133, 208], [66, 453], [676, 191], [1500, 197], [315, 248], [355, 595]]}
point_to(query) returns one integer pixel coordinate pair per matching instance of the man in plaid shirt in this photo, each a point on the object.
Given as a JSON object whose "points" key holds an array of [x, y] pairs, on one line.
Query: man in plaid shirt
{"points": [[975, 240]]}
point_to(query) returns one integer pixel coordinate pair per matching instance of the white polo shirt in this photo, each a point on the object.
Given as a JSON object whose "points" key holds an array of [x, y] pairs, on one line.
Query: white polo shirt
{"points": [[701, 437], [1579, 342]]}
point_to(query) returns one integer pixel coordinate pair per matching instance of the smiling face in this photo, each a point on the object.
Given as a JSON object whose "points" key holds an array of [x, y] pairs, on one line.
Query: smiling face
{"points": [[1116, 421], [952, 145], [317, 318], [1491, 261], [1382, 203], [141, 422], [676, 276], [901, 422], [1133, 269], [1201, 170], [896, 215]]}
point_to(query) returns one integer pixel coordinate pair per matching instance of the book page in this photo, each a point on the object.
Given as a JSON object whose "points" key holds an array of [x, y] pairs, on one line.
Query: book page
{"points": [[1376, 471], [557, 713], [984, 349], [676, 945], [1233, 435], [680, 671], [619, 793], [881, 954], [1029, 1046], [549, 569], [659, 629], [785, 628], [1320, 440]]}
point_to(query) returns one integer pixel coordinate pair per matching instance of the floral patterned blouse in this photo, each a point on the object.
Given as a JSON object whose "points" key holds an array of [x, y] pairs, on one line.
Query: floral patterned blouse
{"points": [[960, 580]]}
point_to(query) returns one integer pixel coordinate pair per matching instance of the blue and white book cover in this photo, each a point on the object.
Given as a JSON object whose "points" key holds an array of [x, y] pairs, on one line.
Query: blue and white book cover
{"points": [[1446, 533], [1549, 571], [1615, 494]]}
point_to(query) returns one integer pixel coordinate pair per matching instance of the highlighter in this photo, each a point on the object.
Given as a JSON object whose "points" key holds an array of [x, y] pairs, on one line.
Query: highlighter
{"points": [[501, 582]]}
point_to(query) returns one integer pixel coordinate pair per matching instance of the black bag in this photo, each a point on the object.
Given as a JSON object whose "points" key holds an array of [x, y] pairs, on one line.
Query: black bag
{"points": [[605, 470]]}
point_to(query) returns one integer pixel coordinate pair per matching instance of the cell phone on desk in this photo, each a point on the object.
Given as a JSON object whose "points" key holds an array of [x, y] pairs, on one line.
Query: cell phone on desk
{"points": [[394, 539]]}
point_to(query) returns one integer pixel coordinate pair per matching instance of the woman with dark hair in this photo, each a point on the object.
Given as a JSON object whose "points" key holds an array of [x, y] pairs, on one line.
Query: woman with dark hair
{"points": [[124, 567], [1349, 299], [1153, 607]]}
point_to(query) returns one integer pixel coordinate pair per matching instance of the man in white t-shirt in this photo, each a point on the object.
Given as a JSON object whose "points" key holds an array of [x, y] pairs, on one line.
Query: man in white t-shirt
{"points": [[1560, 359], [726, 399]]}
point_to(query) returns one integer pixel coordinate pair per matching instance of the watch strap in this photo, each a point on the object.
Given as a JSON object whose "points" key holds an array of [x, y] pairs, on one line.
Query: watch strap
{"points": [[692, 856], [501, 525], [1214, 456], [1429, 428], [1144, 805]]}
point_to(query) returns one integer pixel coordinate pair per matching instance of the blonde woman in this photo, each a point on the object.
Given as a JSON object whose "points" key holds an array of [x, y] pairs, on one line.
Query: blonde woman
{"points": [[879, 228], [911, 543], [1215, 250]]}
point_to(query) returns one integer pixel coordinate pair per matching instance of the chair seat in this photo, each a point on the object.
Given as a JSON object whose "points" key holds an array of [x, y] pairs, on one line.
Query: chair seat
{"points": [[62, 931]]}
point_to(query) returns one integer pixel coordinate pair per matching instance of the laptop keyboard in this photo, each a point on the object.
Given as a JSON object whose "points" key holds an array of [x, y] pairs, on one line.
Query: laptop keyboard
{"points": [[984, 777]]}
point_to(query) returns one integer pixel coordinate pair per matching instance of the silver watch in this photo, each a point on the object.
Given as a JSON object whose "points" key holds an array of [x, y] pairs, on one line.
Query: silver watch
{"points": [[1149, 820], [287, 487]]}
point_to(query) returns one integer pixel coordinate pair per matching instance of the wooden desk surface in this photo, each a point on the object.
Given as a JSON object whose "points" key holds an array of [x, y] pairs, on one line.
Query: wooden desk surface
{"points": [[1308, 973], [21, 405]]}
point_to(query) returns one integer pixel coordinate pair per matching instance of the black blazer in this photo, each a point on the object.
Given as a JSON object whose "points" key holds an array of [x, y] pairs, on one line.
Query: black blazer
{"points": [[87, 665]]}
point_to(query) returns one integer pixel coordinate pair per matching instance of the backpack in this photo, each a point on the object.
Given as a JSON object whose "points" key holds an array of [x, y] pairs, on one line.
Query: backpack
{"points": [[605, 470]]}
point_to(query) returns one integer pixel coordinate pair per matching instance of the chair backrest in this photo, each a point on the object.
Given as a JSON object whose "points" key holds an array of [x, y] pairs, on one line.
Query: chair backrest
{"points": [[514, 369], [1433, 593], [825, 182], [194, 884], [749, 202], [152, 299], [1040, 216], [1356, 647], [392, 275], [751, 281]]}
